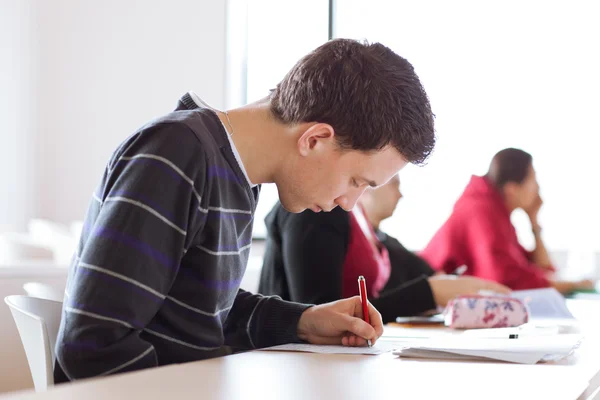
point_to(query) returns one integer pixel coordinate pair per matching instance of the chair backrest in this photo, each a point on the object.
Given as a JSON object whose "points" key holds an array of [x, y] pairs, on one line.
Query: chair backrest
{"points": [[38, 321], [42, 291]]}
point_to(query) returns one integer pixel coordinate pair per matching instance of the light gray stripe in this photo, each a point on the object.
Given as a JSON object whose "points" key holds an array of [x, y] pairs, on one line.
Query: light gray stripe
{"points": [[95, 197], [160, 335], [147, 208], [224, 253], [96, 316], [203, 210], [149, 289], [250, 320], [128, 363], [208, 314], [170, 164], [122, 277], [229, 210]]}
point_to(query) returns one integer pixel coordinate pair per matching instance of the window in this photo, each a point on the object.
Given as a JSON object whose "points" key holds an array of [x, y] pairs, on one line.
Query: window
{"points": [[510, 74], [279, 34]]}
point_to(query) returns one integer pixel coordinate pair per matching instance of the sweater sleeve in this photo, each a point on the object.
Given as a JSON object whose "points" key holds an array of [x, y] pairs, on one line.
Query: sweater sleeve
{"points": [[314, 248], [406, 265], [411, 298], [496, 259], [257, 321], [138, 226]]}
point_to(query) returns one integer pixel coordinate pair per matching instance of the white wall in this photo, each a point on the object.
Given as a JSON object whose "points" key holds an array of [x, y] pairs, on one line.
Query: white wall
{"points": [[77, 78], [102, 69], [17, 58]]}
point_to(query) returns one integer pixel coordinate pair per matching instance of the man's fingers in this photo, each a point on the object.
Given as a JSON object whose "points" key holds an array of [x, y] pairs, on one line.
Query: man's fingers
{"points": [[358, 327], [376, 320]]}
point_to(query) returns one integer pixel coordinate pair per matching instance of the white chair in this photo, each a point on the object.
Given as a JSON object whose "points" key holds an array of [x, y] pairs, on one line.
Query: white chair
{"points": [[38, 321], [42, 291]]}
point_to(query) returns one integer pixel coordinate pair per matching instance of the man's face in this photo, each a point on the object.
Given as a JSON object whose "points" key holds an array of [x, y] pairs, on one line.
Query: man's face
{"points": [[528, 191], [332, 177]]}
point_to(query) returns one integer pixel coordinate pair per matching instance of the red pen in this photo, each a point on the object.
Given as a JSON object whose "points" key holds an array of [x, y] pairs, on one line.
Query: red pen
{"points": [[362, 289]]}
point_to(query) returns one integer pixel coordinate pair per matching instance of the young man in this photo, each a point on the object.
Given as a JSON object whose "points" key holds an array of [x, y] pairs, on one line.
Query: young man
{"points": [[165, 244], [315, 258], [480, 235]]}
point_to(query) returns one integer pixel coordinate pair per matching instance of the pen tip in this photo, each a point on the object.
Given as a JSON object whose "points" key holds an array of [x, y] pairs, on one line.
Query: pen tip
{"points": [[369, 343]]}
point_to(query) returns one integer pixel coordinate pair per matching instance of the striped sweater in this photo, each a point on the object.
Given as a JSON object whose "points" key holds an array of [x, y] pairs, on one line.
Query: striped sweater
{"points": [[165, 244]]}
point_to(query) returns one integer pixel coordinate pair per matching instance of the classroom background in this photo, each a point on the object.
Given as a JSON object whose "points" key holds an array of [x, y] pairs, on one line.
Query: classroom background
{"points": [[77, 77]]}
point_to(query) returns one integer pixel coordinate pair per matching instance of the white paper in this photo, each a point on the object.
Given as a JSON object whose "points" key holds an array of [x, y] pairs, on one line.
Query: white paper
{"points": [[329, 349], [528, 350], [466, 355], [544, 303]]}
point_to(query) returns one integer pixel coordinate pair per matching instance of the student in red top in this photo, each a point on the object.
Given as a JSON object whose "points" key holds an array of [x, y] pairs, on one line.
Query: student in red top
{"points": [[480, 235]]}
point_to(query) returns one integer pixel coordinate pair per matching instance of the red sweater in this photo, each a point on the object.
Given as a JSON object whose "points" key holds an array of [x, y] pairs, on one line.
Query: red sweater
{"points": [[480, 235]]}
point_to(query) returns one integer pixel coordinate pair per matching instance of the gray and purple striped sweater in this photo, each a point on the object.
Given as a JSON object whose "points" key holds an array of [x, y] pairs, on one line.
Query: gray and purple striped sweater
{"points": [[155, 279]]}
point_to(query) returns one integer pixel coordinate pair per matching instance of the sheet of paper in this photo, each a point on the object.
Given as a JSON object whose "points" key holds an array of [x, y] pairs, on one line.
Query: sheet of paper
{"points": [[544, 303], [465, 355], [379, 348], [525, 351]]}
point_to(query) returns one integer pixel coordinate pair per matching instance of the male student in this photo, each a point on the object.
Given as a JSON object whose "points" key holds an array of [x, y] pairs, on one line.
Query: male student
{"points": [[480, 235], [316, 258], [165, 243]]}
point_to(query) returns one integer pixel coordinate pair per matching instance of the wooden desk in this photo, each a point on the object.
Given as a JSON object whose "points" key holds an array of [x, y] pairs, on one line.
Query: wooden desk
{"points": [[280, 375]]}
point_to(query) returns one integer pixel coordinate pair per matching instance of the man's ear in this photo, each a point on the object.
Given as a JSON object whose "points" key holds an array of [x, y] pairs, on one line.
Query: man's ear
{"points": [[316, 137]]}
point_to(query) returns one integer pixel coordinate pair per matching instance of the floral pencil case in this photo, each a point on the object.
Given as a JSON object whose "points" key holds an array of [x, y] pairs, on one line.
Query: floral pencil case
{"points": [[477, 311]]}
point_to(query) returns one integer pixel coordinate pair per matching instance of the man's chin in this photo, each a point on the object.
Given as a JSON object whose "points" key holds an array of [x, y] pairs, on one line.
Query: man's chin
{"points": [[293, 209]]}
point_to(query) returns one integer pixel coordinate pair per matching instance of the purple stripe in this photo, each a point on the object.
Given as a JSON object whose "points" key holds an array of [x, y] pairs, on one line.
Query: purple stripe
{"points": [[133, 242], [87, 345], [113, 281], [220, 284], [224, 173]]}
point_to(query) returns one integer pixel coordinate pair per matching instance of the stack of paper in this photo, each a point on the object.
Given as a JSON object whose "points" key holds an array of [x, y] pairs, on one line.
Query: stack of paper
{"points": [[526, 350]]}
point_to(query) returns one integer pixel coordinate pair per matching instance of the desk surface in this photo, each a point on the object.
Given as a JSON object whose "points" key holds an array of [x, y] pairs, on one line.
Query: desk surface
{"points": [[281, 375]]}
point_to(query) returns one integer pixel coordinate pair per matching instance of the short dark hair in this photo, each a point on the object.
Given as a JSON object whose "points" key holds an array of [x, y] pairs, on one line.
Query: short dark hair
{"points": [[371, 96], [509, 165]]}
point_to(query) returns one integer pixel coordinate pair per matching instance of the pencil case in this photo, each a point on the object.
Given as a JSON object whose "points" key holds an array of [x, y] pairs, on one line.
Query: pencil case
{"points": [[477, 311]]}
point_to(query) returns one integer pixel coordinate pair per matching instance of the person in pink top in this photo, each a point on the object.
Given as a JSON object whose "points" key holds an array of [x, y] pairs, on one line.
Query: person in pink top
{"points": [[479, 233]]}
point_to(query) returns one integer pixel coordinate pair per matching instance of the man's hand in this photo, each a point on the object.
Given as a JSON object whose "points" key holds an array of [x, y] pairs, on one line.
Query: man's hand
{"points": [[447, 287], [533, 210], [340, 322]]}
